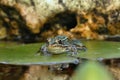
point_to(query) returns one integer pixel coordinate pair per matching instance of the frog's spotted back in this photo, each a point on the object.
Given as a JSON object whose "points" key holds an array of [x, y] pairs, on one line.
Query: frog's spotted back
{"points": [[62, 44], [60, 37]]}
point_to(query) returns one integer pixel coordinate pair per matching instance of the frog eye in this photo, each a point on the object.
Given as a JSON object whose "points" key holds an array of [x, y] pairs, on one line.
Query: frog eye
{"points": [[60, 41]]}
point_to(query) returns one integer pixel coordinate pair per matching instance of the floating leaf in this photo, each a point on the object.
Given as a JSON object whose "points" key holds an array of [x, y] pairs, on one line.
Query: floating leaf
{"points": [[92, 71], [25, 55], [101, 50]]}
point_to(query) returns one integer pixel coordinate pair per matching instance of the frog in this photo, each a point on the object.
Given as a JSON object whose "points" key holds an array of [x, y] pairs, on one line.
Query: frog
{"points": [[74, 42], [56, 45], [60, 44]]}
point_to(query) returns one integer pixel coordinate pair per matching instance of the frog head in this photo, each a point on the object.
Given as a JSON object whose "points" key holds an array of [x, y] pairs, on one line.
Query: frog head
{"points": [[57, 40]]}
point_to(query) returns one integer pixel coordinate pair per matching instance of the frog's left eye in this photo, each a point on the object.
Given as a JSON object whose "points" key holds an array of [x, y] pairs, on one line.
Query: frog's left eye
{"points": [[60, 41]]}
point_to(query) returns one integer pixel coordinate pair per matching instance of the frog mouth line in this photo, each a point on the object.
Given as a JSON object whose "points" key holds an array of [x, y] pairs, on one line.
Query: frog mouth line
{"points": [[59, 45], [64, 46]]}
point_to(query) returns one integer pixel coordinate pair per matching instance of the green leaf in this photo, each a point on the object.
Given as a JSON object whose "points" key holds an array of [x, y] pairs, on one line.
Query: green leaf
{"points": [[92, 71], [101, 49], [25, 55]]}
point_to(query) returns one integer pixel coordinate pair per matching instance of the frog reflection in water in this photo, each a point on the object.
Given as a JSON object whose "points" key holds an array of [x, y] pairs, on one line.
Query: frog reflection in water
{"points": [[61, 44]]}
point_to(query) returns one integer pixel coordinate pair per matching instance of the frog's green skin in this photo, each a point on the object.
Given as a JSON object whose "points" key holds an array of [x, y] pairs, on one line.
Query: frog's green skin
{"points": [[61, 44]]}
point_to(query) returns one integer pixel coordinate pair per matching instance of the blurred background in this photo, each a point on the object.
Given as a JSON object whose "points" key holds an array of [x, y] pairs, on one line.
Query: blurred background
{"points": [[33, 21], [30, 21]]}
